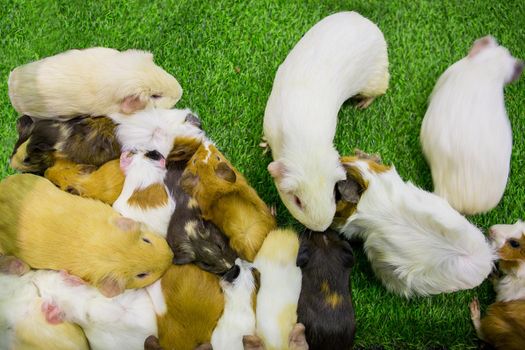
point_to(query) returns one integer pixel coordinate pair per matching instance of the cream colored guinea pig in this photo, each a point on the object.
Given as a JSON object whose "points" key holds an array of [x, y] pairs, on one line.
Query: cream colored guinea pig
{"points": [[94, 81], [343, 55], [52, 229]]}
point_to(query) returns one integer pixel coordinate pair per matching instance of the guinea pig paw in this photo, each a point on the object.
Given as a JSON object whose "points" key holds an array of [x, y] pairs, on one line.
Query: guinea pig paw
{"points": [[52, 312], [297, 339], [252, 342], [475, 312], [365, 102], [13, 266], [71, 280]]}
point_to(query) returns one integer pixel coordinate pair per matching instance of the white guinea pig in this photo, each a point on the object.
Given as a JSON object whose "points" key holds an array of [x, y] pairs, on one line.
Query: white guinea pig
{"points": [[95, 81], [343, 55], [466, 135]]}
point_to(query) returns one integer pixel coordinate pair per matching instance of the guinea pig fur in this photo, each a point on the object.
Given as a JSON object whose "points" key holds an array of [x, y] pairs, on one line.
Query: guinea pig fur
{"points": [[509, 242], [104, 183], [240, 286], [276, 311], [341, 56], [416, 242], [145, 197], [93, 81], [22, 323], [121, 322], [191, 304], [81, 140], [466, 106], [192, 238], [51, 229], [503, 326], [325, 303], [226, 199]]}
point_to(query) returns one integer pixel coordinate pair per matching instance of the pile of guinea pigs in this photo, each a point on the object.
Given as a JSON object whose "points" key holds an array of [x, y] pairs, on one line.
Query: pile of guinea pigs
{"points": [[129, 229]]}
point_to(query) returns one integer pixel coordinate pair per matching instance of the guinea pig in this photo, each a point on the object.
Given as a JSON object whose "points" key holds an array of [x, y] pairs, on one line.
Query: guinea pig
{"points": [[22, 323], [192, 238], [240, 286], [226, 199], [341, 56], [467, 106], [416, 242], [509, 242], [188, 306], [121, 322], [81, 140], [325, 303], [51, 229], [104, 183], [503, 325], [145, 197], [276, 310], [93, 81]]}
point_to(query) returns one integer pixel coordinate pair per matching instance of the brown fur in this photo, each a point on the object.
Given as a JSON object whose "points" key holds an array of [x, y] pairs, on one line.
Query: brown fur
{"points": [[51, 229], [509, 253], [195, 303], [226, 199], [104, 183], [153, 196], [504, 325]]}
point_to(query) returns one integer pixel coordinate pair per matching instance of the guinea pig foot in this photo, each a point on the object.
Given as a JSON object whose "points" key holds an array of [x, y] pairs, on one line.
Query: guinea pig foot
{"points": [[363, 155], [71, 280], [11, 265], [297, 339], [364, 102], [152, 343], [273, 210], [205, 346], [52, 312], [252, 342]]}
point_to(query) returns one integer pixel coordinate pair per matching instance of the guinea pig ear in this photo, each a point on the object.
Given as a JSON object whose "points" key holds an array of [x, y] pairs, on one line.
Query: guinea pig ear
{"points": [[480, 44], [348, 259], [23, 124], [131, 104], [126, 224], [276, 169], [182, 257], [111, 286], [348, 190], [188, 181], [194, 120], [223, 171], [303, 256]]}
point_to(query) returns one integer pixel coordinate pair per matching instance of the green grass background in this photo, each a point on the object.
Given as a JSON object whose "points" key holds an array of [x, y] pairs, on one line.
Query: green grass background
{"points": [[225, 54]]}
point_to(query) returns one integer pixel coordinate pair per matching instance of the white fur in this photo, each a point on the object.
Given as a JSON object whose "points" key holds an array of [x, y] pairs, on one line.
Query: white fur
{"points": [[343, 55], [238, 318], [141, 173], [466, 135], [416, 242], [121, 322], [157, 298], [92, 81]]}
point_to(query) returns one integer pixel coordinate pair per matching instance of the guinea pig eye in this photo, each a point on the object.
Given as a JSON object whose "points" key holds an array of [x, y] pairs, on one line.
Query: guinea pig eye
{"points": [[194, 161], [514, 243], [155, 96], [154, 155], [218, 158], [142, 275], [298, 202], [27, 160], [146, 240]]}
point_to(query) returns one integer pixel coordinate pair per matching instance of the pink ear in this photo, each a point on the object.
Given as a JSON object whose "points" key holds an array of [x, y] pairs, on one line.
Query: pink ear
{"points": [[480, 44], [125, 161], [276, 169], [110, 287], [132, 104], [126, 224]]}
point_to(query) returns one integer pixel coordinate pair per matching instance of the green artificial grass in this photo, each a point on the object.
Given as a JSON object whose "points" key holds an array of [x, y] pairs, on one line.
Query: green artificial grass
{"points": [[225, 54]]}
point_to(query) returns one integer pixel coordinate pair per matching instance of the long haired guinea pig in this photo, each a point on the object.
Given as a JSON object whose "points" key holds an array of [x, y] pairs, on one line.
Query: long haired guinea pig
{"points": [[509, 241], [325, 304], [145, 197], [192, 238], [503, 325], [93, 81], [90, 141], [343, 55], [276, 311], [226, 199], [51, 229], [23, 326], [121, 322], [240, 286], [466, 106], [416, 242]]}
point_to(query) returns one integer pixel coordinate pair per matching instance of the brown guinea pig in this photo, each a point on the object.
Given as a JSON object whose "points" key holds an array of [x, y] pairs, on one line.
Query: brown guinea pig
{"points": [[193, 304], [226, 199], [82, 140], [104, 183], [52, 229]]}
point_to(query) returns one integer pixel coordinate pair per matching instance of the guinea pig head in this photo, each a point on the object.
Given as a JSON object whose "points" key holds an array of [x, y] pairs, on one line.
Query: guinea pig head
{"points": [[306, 187], [142, 161], [327, 248], [509, 241], [135, 258]]}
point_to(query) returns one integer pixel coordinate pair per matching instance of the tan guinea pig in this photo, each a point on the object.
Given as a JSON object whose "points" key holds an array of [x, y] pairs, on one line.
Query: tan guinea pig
{"points": [[226, 199], [52, 229]]}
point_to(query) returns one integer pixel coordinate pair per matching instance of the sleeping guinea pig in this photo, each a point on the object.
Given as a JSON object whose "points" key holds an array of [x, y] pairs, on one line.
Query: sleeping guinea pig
{"points": [[325, 304], [52, 229], [416, 242], [226, 199], [343, 55], [93, 81], [467, 106]]}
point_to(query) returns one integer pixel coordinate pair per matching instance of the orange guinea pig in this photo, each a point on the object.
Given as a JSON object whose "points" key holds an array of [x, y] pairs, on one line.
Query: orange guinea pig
{"points": [[226, 199], [51, 229]]}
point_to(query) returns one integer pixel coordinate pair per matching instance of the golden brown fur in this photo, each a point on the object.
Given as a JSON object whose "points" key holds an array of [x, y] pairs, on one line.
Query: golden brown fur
{"points": [[152, 196], [104, 183], [226, 199], [194, 302], [51, 229]]}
